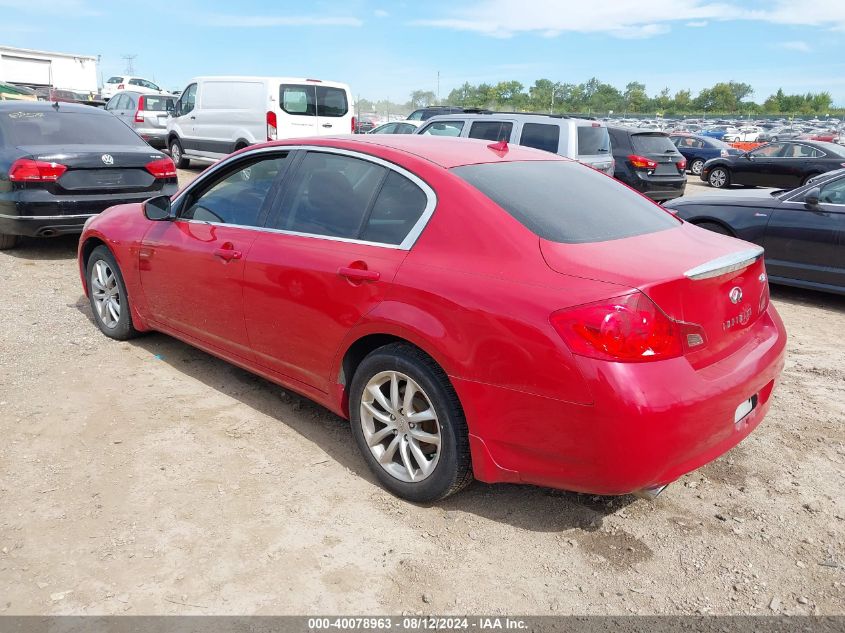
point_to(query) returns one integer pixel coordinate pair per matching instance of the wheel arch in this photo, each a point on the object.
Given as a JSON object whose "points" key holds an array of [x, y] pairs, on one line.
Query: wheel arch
{"points": [[85, 251], [711, 220]]}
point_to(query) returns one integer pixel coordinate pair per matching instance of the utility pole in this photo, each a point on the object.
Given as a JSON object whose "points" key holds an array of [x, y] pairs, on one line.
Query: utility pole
{"points": [[130, 67]]}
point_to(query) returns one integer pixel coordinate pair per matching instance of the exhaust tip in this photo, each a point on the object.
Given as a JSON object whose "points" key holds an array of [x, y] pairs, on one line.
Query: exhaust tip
{"points": [[649, 493], [47, 233]]}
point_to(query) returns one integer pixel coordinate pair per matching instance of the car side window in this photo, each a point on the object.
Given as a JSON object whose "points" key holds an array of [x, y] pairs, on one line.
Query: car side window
{"points": [[397, 209], [541, 136], [771, 150], [135, 82], [404, 128], [833, 192], [329, 196], [238, 196], [390, 128], [444, 128], [802, 151], [491, 130], [112, 104], [187, 101]]}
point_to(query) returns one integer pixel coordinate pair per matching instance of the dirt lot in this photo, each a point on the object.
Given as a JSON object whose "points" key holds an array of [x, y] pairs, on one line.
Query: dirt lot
{"points": [[148, 477]]}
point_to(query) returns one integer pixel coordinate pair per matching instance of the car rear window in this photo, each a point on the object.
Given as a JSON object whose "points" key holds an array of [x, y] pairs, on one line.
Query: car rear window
{"points": [[158, 104], [305, 100], [115, 80], [331, 101], [593, 140], [49, 127], [652, 144], [541, 136], [566, 202]]}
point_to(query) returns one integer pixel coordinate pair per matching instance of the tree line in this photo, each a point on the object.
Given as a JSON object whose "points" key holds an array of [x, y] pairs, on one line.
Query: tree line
{"points": [[599, 98]]}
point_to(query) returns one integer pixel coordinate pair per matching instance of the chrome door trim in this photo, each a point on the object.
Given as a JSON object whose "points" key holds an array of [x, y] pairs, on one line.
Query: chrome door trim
{"points": [[406, 244]]}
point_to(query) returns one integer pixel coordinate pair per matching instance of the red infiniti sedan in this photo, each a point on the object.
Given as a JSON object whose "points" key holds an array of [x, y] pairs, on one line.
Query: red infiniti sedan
{"points": [[475, 310]]}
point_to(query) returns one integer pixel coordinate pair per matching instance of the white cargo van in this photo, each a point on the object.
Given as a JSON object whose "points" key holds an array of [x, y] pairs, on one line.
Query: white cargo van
{"points": [[215, 116]]}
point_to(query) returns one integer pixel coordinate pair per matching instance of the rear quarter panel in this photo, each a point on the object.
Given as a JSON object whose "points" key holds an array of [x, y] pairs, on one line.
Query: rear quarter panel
{"points": [[747, 223]]}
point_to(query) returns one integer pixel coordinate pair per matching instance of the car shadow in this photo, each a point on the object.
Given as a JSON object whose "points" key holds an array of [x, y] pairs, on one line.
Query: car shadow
{"points": [[809, 298], [45, 248], [522, 506]]}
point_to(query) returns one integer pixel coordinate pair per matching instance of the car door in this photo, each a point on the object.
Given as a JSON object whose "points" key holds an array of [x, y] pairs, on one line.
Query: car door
{"points": [[298, 111], [183, 118], [192, 268], [339, 229], [790, 168], [332, 110], [808, 243], [757, 166]]}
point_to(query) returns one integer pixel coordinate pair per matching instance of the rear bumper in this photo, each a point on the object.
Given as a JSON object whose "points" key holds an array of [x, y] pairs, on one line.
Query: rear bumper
{"points": [[649, 424], [42, 215], [154, 136]]}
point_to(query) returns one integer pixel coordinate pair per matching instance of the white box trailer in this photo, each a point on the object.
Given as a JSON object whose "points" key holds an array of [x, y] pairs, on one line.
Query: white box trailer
{"points": [[35, 69]]}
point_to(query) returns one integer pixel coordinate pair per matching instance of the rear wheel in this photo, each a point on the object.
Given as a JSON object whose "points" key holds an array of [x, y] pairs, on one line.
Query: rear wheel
{"points": [[409, 425], [719, 177], [8, 241], [107, 294], [715, 227], [696, 166], [178, 154], [774, 138]]}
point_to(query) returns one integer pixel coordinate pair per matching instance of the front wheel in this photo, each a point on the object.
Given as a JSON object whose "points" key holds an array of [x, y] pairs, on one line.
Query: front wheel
{"points": [[808, 179], [178, 154], [107, 293], [409, 425], [719, 178], [715, 227], [696, 166], [8, 241]]}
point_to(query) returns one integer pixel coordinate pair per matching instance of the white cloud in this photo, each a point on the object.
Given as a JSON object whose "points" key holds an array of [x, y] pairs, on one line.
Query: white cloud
{"points": [[380, 13], [801, 47], [263, 21], [626, 18]]}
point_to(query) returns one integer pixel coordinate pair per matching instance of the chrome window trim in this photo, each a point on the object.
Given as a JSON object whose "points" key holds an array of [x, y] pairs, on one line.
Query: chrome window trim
{"points": [[725, 264], [47, 217], [406, 244]]}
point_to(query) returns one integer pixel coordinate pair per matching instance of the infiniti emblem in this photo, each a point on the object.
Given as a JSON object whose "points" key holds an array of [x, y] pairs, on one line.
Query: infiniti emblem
{"points": [[107, 159], [735, 294]]}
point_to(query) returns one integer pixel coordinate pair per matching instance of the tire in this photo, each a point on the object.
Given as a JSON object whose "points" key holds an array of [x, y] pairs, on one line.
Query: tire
{"points": [[719, 181], [807, 179], [716, 228], [773, 139], [403, 474], [8, 241], [696, 166], [178, 154], [105, 280]]}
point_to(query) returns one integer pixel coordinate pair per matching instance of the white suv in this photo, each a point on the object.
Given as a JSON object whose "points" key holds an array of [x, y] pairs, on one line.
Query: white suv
{"points": [[125, 82], [583, 140]]}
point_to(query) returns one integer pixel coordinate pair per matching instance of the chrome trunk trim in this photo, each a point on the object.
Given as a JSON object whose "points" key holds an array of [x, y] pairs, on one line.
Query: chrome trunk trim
{"points": [[725, 264]]}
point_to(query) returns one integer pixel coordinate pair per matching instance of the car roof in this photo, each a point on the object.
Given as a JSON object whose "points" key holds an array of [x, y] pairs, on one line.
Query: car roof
{"points": [[44, 106], [445, 152], [519, 116]]}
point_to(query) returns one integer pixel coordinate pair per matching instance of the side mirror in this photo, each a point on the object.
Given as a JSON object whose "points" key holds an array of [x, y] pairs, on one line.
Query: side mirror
{"points": [[748, 156], [158, 209], [811, 198]]}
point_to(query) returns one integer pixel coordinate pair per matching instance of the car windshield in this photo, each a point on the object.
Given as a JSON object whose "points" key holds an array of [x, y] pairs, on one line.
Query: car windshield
{"points": [[564, 201], [158, 104], [51, 127]]}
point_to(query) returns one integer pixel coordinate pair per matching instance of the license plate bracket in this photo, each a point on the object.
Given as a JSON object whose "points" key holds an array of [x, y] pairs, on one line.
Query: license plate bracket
{"points": [[744, 409]]}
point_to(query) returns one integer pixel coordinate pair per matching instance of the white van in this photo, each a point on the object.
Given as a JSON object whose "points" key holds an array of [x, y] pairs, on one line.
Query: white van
{"points": [[215, 116]]}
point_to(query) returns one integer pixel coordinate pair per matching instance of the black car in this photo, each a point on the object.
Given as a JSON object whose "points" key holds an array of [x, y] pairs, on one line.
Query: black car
{"points": [[649, 162], [699, 149], [784, 164], [62, 163], [801, 229]]}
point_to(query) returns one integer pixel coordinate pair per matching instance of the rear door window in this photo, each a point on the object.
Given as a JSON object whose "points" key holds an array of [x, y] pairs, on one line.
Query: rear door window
{"points": [[593, 140], [491, 130], [399, 206], [444, 128], [331, 102], [566, 202], [652, 144], [541, 136]]}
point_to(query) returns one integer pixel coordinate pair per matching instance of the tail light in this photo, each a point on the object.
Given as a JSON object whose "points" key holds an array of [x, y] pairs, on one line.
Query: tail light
{"points": [[139, 118], [120, 87], [162, 168], [354, 125], [629, 328], [28, 170], [272, 126], [641, 162], [682, 164]]}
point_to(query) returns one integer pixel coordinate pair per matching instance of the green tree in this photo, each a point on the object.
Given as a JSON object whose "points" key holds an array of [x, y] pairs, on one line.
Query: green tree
{"points": [[422, 98], [635, 96]]}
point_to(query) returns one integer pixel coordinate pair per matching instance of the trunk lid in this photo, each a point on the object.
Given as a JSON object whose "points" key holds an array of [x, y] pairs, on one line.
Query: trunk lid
{"points": [[98, 169], [690, 273], [658, 147]]}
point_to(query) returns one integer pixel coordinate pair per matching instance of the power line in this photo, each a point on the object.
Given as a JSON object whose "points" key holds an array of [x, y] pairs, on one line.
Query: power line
{"points": [[130, 67]]}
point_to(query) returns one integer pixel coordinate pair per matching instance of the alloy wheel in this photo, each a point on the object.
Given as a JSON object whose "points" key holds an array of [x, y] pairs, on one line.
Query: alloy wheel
{"points": [[400, 426], [718, 178], [175, 154], [696, 167], [106, 294]]}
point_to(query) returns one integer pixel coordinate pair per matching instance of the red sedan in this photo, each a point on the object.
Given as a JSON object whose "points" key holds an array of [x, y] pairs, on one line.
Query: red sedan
{"points": [[474, 310]]}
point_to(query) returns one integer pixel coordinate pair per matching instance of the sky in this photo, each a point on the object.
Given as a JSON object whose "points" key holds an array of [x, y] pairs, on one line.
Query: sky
{"points": [[386, 49]]}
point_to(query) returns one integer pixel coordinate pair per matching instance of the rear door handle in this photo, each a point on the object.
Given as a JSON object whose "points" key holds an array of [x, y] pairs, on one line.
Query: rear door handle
{"points": [[193, 117], [327, 125], [359, 274], [227, 252]]}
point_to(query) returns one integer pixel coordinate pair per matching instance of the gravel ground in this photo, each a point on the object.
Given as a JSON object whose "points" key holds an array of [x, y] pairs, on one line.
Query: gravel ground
{"points": [[150, 478]]}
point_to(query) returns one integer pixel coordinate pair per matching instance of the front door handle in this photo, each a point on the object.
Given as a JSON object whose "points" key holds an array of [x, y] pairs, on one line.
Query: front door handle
{"points": [[227, 252], [358, 274]]}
